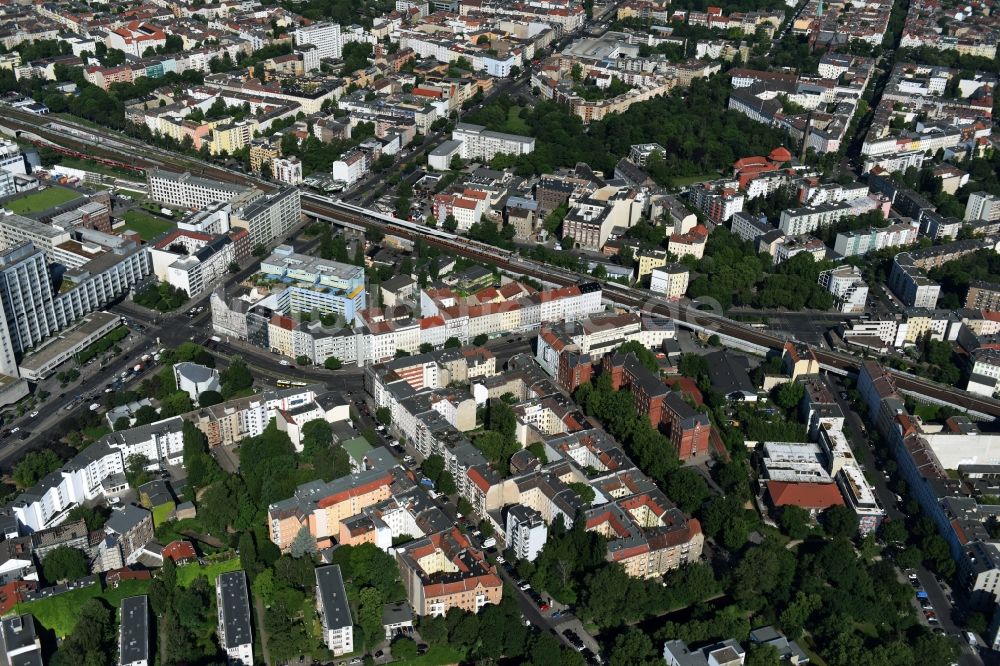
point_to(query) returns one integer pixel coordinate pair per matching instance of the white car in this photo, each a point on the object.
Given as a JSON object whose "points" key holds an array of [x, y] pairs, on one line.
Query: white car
{"points": [[284, 362], [15, 429], [33, 414]]}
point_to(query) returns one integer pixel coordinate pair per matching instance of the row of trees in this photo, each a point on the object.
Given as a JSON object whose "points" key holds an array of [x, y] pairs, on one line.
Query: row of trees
{"points": [[700, 136], [732, 273]]}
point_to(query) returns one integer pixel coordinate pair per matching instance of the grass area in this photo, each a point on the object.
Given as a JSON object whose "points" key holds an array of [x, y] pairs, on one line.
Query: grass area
{"points": [[187, 574], [162, 513], [436, 656], [927, 412], [40, 200], [515, 122], [683, 181], [147, 226], [59, 613]]}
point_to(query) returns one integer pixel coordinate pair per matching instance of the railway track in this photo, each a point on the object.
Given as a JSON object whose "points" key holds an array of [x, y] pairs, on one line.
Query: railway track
{"points": [[683, 313], [61, 134]]}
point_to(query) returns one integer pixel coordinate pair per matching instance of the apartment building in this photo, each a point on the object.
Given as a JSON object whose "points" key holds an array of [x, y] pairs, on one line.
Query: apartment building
{"points": [[269, 217], [204, 261], [325, 36], [29, 312], [287, 170], [128, 530], [982, 206], [135, 37], [318, 507], [983, 296], [334, 610], [186, 191], [646, 534], [850, 292], [351, 167], [863, 241], [133, 638], [749, 228], [526, 532], [669, 281], [718, 200], [444, 571], [689, 429], [234, 625], [19, 644], [316, 285], [690, 244], [97, 471], [479, 143], [16, 230], [795, 221]]}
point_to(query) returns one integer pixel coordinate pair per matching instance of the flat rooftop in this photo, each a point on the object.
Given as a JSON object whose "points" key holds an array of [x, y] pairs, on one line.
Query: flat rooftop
{"points": [[134, 644], [78, 336]]}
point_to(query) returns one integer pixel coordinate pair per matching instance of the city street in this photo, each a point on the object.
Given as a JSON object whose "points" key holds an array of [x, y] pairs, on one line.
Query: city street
{"points": [[854, 430]]}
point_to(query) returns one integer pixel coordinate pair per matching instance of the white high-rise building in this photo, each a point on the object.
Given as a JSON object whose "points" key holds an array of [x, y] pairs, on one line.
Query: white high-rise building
{"points": [[186, 191], [480, 143], [29, 313], [11, 158], [526, 532], [982, 206], [324, 36], [287, 170]]}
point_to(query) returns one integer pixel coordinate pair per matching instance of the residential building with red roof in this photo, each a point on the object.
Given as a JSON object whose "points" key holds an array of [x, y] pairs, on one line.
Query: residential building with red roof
{"points": [[813, 497], [135, 37], [319, 507], [443, 571], [180, 551]]}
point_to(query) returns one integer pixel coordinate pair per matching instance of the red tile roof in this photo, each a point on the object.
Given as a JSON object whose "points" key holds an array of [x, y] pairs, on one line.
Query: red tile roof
{"points": [[805, 495]]}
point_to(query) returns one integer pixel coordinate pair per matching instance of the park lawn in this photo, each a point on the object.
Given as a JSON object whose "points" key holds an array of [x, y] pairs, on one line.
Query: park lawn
{"points": [[515, 123], [189, 572], [439, 655], [59, 613], [41, 200], [147, 226], [683, 181]]}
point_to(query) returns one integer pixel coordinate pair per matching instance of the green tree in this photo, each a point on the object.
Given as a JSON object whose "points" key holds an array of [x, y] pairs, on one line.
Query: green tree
{"points": [[332, 363], [303, 544], [209, 398], [64, 564], [433, 466], [404, 649], [788, 395], [794, 521], [446, 484], [383, 416], [34, 466], [452, 343], [235, 378], [763, 655], [633, 648], [370, 616], [92, 638], [840, 522]]}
